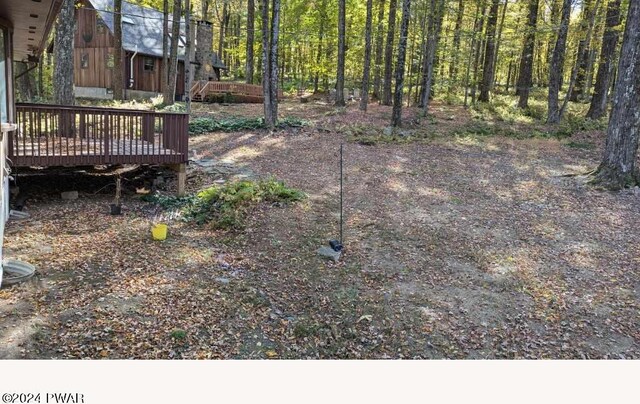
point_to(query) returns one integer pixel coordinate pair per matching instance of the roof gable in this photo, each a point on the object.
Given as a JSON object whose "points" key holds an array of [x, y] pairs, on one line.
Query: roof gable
{"points": [[141, 27]]}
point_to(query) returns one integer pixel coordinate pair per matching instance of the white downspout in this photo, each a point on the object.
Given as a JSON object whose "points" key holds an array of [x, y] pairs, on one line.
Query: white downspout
{"points": [[131, 80]]}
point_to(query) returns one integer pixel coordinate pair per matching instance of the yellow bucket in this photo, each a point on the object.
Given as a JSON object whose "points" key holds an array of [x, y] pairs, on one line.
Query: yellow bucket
{"points": [[159, 231]]}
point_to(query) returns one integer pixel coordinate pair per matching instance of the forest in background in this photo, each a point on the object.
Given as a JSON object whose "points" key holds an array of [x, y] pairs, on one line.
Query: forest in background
{"points": [[309, 43], [408, 52]]}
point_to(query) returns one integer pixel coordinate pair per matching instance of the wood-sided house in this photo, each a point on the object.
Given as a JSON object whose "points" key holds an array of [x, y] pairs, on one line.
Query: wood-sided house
{"points": [[142, 34], [24, 27]]}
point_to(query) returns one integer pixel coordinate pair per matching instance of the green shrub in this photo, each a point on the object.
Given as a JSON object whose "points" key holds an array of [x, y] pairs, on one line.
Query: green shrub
{"points": [[199, 126], [227, 205]]}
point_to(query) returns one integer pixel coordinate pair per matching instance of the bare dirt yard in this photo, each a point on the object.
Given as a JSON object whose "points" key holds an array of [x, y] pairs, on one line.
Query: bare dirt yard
{"points": [[458, 244]]}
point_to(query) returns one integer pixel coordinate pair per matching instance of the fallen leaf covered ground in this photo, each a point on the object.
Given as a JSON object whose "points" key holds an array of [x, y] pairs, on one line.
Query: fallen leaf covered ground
{"points": [[455, 247]]}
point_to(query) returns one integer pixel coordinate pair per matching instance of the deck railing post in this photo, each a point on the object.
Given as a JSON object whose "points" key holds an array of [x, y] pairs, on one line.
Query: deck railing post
{"points": [[106, 134], [148, 127]]}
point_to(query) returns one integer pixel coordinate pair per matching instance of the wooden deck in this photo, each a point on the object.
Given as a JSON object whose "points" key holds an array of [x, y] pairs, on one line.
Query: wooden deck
{"points": [[53, 135], [200, 90]]}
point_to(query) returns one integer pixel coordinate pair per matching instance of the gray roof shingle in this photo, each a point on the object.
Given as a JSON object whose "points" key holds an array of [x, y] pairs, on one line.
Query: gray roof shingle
{"points": [[142, 29]]}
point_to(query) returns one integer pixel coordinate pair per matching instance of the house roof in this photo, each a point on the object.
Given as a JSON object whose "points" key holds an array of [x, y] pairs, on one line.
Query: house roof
{"points": [[31, 21], [142, 29]]}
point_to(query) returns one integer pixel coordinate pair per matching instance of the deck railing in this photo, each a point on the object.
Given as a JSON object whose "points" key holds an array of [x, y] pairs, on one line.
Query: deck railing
{"points": [[55, 135], [204, 88]]}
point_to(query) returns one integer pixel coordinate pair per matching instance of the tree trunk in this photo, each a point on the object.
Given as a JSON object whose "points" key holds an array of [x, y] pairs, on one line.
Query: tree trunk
{"points": [[396, 116], [582, 62], [341, 51], [478, 52], [323, 18], [187, 56], [164, 72], [250, 27], [63, 48], [471, 56], [433, 35], [170, 94], [499, 40], [598, 106], [453, 67], [526, 60], [364, 97], [275, 33], [378, 62], [270, 35], [618, 168], [388, 54], [266, 66], [24, 83], [118, 52], [557, 63], [223, 24], [489, 53]]}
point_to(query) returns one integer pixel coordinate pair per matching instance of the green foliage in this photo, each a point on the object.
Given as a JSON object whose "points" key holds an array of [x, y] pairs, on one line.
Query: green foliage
{"points": [[226, 206], [199, 126], [178, 334]]}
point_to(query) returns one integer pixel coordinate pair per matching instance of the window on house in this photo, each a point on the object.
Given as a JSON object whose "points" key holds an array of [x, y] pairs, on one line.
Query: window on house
{"points": [[84, 61], [110, 62], [149, 64]]}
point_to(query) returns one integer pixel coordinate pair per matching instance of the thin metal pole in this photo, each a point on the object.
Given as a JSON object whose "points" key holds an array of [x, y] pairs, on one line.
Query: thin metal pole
{"points": [[341, 145]]}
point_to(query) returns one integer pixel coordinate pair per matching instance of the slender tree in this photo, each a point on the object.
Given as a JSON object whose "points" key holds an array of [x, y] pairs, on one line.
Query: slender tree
{"points": [[436, 14], [118, 77], [396, 116], [489, 54], [388, 54], [341, 54], [266, 66], [364, 98], [188, 55], [250, 28], [471, 54], [618, 167], [582, 62], [323, 19], [275, 35], [378, 62], [63, 48], [598, 106], [526, 60], [453, 67], [557, 63], [499, 41], [170, 94], [270, 37], [164, 71]]}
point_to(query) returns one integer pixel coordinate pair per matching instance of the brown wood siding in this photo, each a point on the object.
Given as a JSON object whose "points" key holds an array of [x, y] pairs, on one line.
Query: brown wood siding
{"points": [[96, 73], [144, 80], [97, 46], [87, 33]]}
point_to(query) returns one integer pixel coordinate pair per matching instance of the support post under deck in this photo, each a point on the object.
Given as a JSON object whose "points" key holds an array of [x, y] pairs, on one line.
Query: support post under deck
{"points": [[181, 170]]}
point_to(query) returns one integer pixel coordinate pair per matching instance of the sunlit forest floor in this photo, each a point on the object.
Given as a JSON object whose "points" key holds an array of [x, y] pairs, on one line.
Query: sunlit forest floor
{"points": [[468, 234]]}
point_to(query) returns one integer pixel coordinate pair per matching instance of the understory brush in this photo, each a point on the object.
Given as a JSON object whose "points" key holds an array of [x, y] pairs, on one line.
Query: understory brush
{"points": [[226, 206], [199, 126]]}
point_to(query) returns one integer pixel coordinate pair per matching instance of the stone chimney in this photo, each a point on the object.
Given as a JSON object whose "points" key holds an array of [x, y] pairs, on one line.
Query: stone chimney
{"points": [[204, 52]]}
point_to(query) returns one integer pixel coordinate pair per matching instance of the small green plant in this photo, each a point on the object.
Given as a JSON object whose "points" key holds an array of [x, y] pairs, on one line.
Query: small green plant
{"points": [[178, 334]]}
